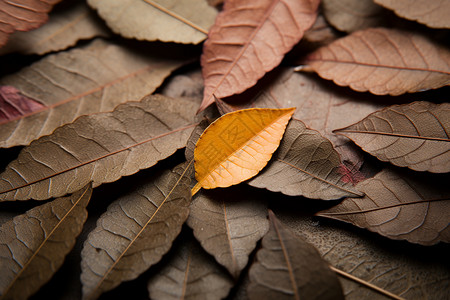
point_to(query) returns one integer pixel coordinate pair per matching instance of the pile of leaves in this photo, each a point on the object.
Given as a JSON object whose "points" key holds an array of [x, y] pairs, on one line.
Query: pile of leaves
{"points": [[302, 113]]}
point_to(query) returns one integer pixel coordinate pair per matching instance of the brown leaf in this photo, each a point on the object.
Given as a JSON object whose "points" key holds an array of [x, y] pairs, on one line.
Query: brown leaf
{"points": [[305, 164], [190, 273], [83, 81], [249, 39], [229, 228], [100, 148], [22, 15], [33, 246], [383, 61], [414, 135], [431, 13], [289, 268], [66, 26], [136, 231], [320, 33], [14, 104], [412, 206], [185, 21]]}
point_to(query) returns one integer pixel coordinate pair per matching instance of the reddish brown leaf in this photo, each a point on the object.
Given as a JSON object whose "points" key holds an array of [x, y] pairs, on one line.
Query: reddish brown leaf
{"points": [[13, 104], [249, 39]]}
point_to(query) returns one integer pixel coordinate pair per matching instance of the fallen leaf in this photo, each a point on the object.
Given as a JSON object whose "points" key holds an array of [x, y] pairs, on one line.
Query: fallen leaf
{"points": [[136, 231], [192, 141], [383, 61], [100, 148], [83, 81], [237, 146], [229, 228], [65, 27], [320, 33], [189, 273], [185, 21], [248, 39], [400, 206], [413, 135], [14, 105], [431, 13], [287, 267], [22, 15], [33, 246], [305, 164]]}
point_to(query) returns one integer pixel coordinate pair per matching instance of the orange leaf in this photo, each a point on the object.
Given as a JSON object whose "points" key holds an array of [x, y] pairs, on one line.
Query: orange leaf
{"points": [[238, 145]]}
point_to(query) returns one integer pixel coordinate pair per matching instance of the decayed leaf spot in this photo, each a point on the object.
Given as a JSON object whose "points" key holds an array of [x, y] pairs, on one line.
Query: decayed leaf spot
{"points": [[13, 104], [238, 145]]}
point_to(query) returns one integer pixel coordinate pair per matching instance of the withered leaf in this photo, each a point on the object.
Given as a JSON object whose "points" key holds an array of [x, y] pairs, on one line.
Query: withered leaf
{"points": [[431, 13], [13, 104], [408, 206], [93, 79], [101, 148], [22, 15], [190, 273], [414, 135], [305, 164], [136, 231], [182, 21], [287, 267], [383, 61], [229, 228], [33, 246], [248, 39]]}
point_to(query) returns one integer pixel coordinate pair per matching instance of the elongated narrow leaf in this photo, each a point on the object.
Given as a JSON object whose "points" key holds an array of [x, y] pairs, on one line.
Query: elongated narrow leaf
{"points": [[383, 61], [136, 231], [100, 148], [182, 21], [22, 15], [190, 273], [65, 27], [287, 267], [13, 104], [305, 164], [400, 206], [93, 79], [33, 245], [412, 135], [228, 228], [431, 13], [249, 39]]}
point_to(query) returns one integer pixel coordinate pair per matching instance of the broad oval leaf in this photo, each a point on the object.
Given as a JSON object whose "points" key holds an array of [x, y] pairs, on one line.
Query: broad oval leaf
{"points": [[414, 135], [83, 81], [136, 231], [180, 21], [229, 228], [33, 246], [249, 39], [101, 148], [431, 13], [400, 206], [306, 164], [287, 267], [383, 61], [238, 145]]}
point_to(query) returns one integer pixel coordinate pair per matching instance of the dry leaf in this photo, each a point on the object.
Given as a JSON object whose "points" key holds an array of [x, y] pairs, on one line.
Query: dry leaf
{"points": [[33, 246], [414, 135], [14, 104], [431, 13], [22, 15], [100, 148], [83, 81], [413, 206], [191, 274], [65, 27], [305, 164], [249, 39], [180, 21], [289, 268], [320, 33], [229, 228], [238, 145], [383, 61], [136, 231]]}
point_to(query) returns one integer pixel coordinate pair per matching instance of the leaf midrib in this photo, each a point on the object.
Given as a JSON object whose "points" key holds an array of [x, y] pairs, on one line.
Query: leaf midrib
{"points": [[341, 131]]}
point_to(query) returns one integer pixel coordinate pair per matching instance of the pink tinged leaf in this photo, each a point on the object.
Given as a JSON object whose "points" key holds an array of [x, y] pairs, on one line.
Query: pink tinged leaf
{"points": [[13, 104]]}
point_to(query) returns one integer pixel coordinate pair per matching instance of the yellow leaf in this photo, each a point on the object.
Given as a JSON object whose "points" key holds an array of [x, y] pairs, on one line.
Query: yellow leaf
{"points": [[238, 145]]}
